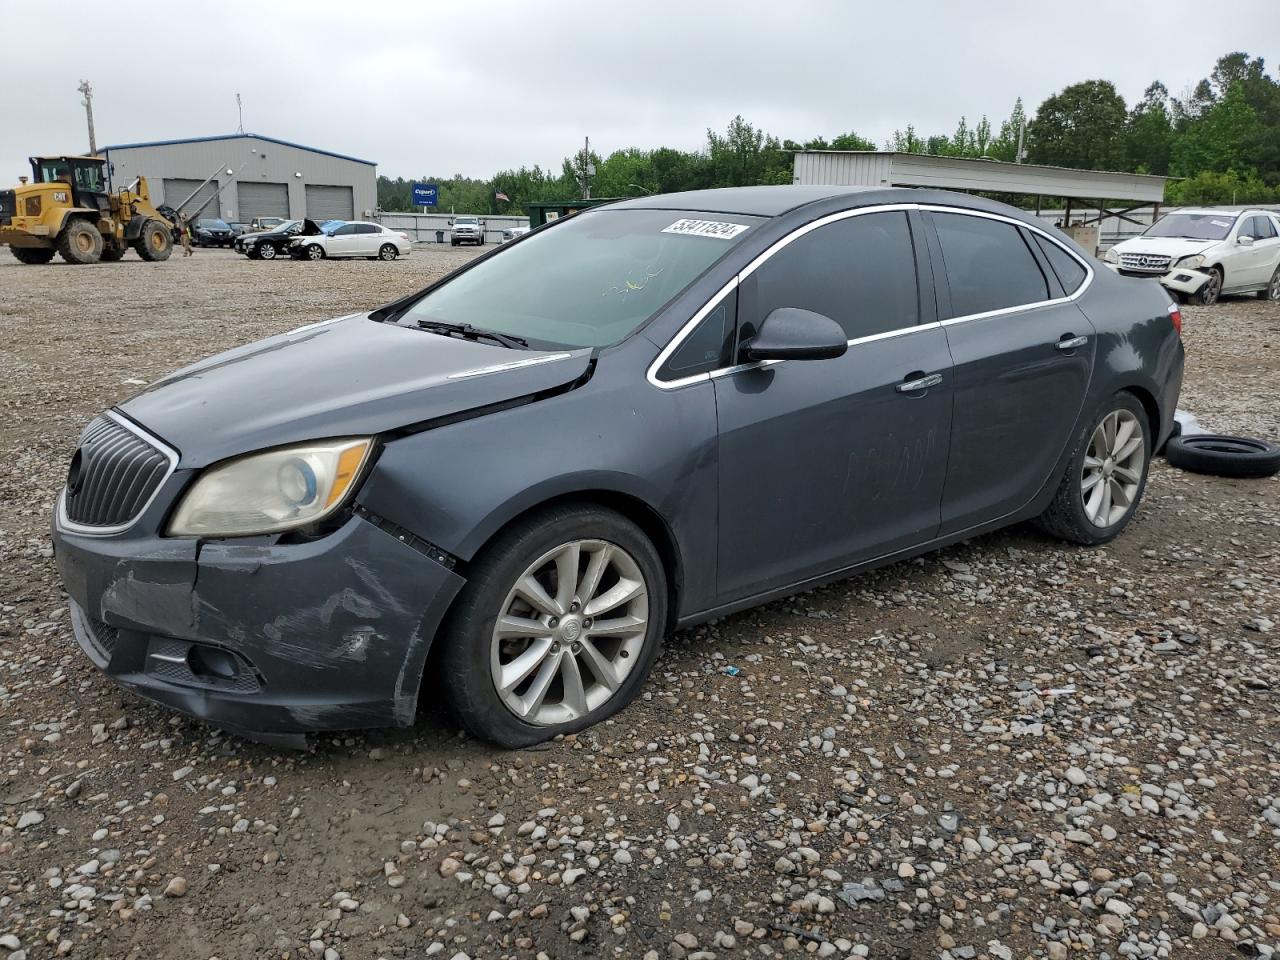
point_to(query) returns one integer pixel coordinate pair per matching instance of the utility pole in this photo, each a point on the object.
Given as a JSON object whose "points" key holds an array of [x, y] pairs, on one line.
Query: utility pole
{"points": [[588, 169], [1022, 131], [87, 90], [240, 112]]}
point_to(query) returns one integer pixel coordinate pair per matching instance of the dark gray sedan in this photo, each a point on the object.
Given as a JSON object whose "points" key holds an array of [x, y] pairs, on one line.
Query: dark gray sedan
{"points": [[640, 417]]}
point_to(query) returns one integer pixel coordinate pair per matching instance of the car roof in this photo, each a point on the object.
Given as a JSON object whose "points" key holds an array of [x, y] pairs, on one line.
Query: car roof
{"points": [[750, 201]]}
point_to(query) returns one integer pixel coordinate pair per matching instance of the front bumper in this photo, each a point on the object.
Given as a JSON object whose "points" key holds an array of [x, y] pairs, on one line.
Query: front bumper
{"points": [[1179, 279], [267, 639]]}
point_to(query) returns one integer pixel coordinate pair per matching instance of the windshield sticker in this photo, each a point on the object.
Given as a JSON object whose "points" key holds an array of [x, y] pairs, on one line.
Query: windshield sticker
{"points": [[706, 228]]}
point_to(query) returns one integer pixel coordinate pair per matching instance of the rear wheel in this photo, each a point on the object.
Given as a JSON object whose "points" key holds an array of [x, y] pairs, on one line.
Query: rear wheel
{"points": [[1208, 294], [388, 252], [557, 627], [1272, 290], [32, 254], [155, 242], [80, 242], [1106, 476]]}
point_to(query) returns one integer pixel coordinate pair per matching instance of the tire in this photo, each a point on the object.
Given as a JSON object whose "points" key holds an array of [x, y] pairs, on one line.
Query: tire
{"points": [[1224, 456], [267, 251], [453, 243], [80, 242], [1072, 512], [473, 655], [155, 242], [388, 252], [112, 252], [32, 254], [1272, 289], [253, 254], [1208, 294], [314, 252]]}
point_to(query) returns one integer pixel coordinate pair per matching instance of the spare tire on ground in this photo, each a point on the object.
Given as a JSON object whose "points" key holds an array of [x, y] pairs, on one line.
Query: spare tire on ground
{"points": [[1223, 456]]}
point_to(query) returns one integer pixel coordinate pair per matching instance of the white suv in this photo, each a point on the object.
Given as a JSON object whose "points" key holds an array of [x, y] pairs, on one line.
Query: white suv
{"points": [[1201, 254]]}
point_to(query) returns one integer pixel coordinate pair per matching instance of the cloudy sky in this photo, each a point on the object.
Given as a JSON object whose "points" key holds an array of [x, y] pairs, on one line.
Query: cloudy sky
{"points": [[474, 87]]}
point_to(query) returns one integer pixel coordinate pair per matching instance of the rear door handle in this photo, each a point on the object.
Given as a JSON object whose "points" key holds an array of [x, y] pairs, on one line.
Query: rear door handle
{"points": [[923, 383], [1071, 343]]}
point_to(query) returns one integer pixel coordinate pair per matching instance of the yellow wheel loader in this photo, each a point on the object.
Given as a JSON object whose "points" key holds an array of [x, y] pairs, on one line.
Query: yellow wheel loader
{"points": [[68, 209]]}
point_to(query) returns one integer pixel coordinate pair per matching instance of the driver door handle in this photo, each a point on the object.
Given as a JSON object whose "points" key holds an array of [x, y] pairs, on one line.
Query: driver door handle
{"points": [[923, 383], [1071, 343]]}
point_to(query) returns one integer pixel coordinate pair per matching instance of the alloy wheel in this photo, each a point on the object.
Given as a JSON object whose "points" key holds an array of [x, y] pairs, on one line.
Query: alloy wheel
{"points": [[1273, 291], [268, 252], [1113, 467], [569, 632], [1211, 290]]}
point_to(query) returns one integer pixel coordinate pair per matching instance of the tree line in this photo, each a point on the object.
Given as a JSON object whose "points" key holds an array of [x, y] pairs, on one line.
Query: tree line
{"points": [[1221, 138]]}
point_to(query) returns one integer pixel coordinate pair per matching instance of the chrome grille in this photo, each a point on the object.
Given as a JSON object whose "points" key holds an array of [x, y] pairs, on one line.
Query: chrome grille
{"points": [[1144, 262], [113, 475]]}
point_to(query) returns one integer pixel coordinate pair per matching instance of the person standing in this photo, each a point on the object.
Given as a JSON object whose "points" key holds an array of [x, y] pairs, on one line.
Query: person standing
{"points": [[184, 234]]}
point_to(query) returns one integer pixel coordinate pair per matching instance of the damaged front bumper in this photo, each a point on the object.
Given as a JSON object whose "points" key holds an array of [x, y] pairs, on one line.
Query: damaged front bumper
{"points": [[1184, 280], [270, 640]]}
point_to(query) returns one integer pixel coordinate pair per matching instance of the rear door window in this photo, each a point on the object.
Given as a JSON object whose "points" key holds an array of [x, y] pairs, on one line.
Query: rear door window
{"points": [[859, 271], [988, 265], [1070, 271]]}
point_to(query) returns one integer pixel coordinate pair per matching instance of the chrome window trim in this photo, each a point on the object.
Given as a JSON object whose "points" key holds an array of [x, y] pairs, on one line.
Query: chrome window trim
{"points": [[65, 523], [683, 333], [512, 365]]}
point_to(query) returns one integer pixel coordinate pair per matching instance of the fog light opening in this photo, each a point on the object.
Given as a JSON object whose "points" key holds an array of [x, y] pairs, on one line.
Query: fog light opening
{"points": [[212, 662]]}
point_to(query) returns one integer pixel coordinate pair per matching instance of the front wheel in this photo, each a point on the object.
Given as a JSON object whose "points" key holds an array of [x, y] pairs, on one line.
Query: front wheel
{"points": [[557, 627], [80, 242], [1272, 290], [267, 251], [32, 254], [388, 252], [1208, 294], [1106, 476], [315, 252]]}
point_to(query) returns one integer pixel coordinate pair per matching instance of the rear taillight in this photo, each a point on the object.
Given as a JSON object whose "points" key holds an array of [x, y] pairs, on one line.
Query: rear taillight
{"points": [[1176, 316]]}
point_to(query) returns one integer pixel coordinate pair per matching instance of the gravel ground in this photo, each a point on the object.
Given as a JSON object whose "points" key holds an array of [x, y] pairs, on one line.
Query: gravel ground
{"points": [[1008, 749]]}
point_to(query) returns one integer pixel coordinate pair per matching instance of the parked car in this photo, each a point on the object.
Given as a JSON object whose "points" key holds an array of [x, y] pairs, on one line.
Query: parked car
{"points": [[466, 230], [338, 238], [212, 233], [510, 233], [263, 224], [1202, 254], [651, 414], [272, 243]]}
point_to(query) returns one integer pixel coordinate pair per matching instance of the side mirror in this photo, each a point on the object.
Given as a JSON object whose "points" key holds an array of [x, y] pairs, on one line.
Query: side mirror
{"points": [[790, 333], [1244, 240]]}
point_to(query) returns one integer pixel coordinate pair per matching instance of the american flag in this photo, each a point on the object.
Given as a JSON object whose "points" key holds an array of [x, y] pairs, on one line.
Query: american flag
{"points": [[501, 196]]}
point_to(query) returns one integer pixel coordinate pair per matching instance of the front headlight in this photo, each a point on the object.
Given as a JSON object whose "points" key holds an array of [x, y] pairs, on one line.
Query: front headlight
{"points": [[272, 491], [1110, 256], [1191, 263]]}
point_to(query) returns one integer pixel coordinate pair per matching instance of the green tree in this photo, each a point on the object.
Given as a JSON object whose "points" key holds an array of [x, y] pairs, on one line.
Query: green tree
{"points": [[1149, 134], [1219, 139], [1082, 126]]}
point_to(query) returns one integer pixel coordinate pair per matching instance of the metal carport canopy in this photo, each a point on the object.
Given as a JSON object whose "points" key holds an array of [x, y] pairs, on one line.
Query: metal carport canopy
{"points": [[885, 169]]}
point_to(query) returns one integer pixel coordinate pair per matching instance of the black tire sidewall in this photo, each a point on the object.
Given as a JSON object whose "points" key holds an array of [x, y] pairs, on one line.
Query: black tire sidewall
{"points": [[467, 635], [1091, 531], [383, 252], [1185, 453]]}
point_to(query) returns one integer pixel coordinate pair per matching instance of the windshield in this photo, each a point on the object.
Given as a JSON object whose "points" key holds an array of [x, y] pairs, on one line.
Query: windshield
{"points": [[213, 224], [330, 226], [1193, 226], [589, 281], [469, 221]]}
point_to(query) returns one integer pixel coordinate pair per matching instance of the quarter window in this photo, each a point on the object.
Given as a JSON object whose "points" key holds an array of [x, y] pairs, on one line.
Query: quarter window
{"points": [[707, 348], [1070, 273], [989, 266], [859, 271]]}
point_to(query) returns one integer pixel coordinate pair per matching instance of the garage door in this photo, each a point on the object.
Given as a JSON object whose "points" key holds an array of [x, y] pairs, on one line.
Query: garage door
{"points": [[329, 203], [176, 190], [262, 200]]}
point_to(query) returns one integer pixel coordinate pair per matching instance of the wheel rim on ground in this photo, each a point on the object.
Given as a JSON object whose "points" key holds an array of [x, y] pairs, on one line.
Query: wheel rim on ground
{"points": [[1211, 287], [569, 632], [1113, 466], [157, 239], [313, 253], [267, 253], [388, 253], [83, 241], [1274, 291]]}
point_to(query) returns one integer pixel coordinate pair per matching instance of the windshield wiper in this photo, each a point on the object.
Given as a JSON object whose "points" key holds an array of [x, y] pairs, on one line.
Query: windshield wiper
{"points": [[468, 332]]}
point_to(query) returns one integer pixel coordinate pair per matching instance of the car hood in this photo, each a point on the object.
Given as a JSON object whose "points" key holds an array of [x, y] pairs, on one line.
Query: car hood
{"points": [[1165, 246], [346, 377]]}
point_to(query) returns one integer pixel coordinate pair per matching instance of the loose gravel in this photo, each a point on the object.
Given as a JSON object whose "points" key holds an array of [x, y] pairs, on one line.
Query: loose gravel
{"points": [[1009, 749]]}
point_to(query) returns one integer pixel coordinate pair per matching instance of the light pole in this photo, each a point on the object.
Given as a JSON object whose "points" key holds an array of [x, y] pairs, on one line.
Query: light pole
{"points": [[87, 90]]}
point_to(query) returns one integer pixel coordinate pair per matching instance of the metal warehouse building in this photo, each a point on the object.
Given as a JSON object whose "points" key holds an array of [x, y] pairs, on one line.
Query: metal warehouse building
{"points": [[267, 178]]}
